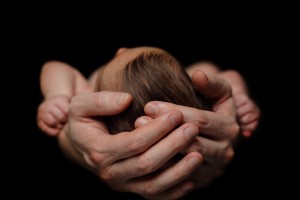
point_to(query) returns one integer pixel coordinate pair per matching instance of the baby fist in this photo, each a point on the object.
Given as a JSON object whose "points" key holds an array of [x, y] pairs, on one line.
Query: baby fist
{"points": [[53, 114]]}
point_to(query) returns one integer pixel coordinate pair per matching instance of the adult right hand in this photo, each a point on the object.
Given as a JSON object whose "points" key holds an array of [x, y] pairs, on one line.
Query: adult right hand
{"points": [[125, 161]]}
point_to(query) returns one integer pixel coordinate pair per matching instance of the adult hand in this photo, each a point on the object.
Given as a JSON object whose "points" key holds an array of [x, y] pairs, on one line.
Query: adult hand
{"points": [[248, 112], [125, 161], [218, 127]]}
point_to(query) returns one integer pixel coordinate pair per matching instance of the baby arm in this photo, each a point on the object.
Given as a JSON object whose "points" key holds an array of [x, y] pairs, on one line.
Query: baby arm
{"points": [[59, 83], [248, 112]]}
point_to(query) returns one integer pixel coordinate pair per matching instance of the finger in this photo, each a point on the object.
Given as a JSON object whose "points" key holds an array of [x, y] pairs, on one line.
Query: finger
{"points": [[157, 155], [214, 125], [64, 105], [217, 153], [47, 129], [59, 126], [251, 127], [249, 106], [248, 118], [211, 86], [99, 104], [227, 107], [141, 121], [167, 178], [58, 114], [49, 119], [215, 88], [248, 129], [140, 139], [240, 99]]}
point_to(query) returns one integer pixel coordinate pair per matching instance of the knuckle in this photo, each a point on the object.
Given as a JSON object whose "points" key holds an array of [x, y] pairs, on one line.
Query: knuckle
{"points": [[201, 119], [150, 189], [96, 158], [137, 145], [108, 176], [97, 161], [145, 165], [48, 118]]}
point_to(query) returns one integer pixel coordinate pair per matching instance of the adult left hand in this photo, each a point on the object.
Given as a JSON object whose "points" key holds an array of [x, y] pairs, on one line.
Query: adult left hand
{"points": [[219, 128]]}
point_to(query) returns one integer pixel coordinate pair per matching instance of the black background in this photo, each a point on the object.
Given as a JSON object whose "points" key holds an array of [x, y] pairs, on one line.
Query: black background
{"points": [[258, 167]]}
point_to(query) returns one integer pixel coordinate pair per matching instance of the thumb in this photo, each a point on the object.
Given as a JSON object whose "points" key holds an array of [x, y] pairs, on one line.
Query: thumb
{"points": [[211, 86], [99, 104]]}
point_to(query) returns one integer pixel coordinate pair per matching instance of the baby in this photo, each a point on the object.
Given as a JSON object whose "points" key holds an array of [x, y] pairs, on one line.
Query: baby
{"points": [[146, 73], [152, 75]]}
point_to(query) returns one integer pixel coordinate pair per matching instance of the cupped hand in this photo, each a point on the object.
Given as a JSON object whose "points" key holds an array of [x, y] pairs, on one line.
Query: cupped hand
{"points": [[130, 161]]}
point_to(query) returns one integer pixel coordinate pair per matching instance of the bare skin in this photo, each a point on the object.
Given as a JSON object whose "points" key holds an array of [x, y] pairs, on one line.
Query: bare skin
{"points": [[248, 112], [126, 166]]}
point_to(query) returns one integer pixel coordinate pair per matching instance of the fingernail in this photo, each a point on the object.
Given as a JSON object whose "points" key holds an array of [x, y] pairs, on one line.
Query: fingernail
{"points": [[175, 118], [122, 97], [152, 108], [142, 121], [190, 132], [194, 162]]}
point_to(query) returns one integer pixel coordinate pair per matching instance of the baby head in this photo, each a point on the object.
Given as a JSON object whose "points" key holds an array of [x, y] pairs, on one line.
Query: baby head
{"points": [[148, 74]]}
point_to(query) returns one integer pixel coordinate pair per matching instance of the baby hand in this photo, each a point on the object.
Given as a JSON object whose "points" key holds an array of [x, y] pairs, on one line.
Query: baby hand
{"points": [[248, 113], [53, 114]]}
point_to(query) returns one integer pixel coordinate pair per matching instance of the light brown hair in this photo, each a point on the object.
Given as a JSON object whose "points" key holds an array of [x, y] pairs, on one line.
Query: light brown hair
{"points": [[152, 76]]}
